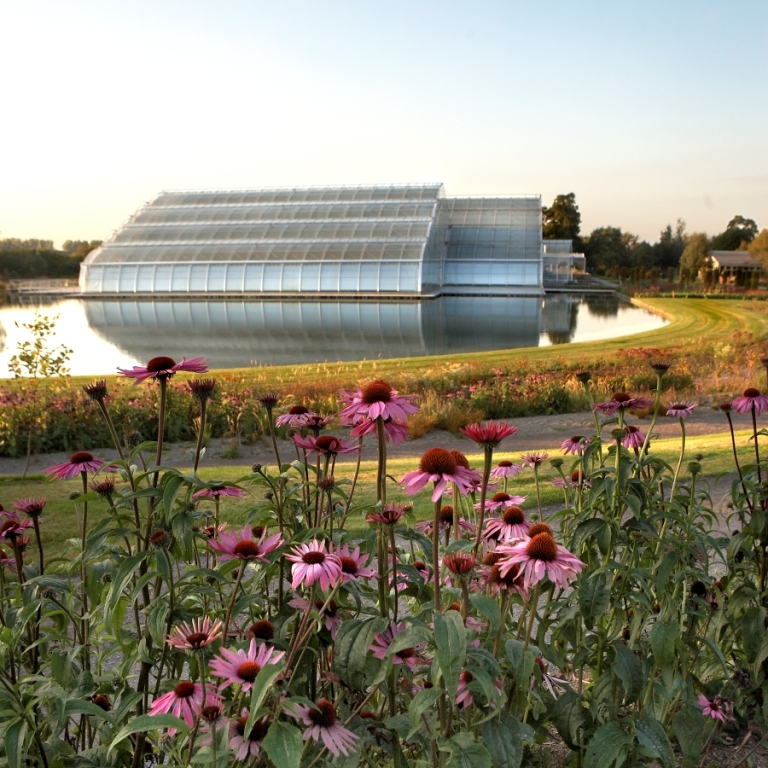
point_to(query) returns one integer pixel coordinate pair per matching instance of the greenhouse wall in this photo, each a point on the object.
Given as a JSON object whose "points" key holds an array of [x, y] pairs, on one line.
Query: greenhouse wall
{"points": [[397, 240]]}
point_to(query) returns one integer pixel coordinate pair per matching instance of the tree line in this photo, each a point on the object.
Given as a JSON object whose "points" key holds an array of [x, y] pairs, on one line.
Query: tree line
{"points": [[612, 251], [28, 259]]}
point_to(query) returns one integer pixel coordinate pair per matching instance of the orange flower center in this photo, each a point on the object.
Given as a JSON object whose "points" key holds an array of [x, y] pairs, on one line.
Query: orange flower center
{"points": [[621, 397], [160, 364], [246, 549], [81, 457], [500, 497], [542, 547], [446, 514], [248, 670], [492, 558], [184, 689], [327, 443], [537, 528], [262, 629], [751, 392], [297, 410], [577, 438], [377, 392], [197, 639], [505, 463], [459, 458], [348, 565], [325, 714], [513, 515], [313, 558], [437, 461], [259, 730]]}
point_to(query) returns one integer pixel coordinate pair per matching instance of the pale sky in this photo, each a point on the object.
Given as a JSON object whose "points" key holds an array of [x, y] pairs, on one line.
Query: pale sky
{"points": [[649, 111]]}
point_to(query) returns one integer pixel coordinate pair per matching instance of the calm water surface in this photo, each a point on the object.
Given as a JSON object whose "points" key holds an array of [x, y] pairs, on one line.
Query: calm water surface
{"points": [[106, 334]]}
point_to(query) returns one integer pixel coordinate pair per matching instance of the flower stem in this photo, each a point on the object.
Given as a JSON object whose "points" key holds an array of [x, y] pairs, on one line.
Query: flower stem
{"points": [[200, 436], [483, 492], [435, 552], [232, 600]]}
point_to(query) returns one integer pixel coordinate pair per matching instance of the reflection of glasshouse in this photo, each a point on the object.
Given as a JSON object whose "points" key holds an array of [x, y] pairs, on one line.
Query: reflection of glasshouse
{"points": [[356, 240]]}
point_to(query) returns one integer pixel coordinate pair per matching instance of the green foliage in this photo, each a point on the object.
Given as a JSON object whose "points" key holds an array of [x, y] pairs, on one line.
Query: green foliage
{"points": [[562, 220]]}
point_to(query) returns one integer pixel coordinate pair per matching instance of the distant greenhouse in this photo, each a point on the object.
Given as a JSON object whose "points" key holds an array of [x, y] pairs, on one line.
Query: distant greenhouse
{"points": [[399, 241]]}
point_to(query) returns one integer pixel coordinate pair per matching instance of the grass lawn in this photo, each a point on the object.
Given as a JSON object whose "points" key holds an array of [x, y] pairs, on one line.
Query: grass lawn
{"points": [[61, 518]]}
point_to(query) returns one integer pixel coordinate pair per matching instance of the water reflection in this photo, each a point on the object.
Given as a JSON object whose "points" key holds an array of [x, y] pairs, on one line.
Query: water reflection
{"points": [[234, 334]]}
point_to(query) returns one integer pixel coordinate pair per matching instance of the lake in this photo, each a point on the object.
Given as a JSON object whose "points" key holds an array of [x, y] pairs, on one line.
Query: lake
{"points": [[105, 334]]}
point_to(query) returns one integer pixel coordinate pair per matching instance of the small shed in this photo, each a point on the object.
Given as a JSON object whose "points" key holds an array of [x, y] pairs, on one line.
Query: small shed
{"points": [[735, 266]]}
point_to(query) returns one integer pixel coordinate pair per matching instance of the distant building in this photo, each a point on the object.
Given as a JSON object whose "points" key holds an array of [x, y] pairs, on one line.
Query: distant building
{"points": [[735, 266], [399, 241]]}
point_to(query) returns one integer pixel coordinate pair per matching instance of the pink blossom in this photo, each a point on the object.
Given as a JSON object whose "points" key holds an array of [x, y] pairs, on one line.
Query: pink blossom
{"points": [[681, 410], [411, 657], [195, 635], [440, 467], [621, 401], [185, 701], [325, 445], [538, 557], [711, 708], [241, 667], [241, 545], [217, 490], [750, 399], [324, 725], [633, 437], [506, 468], [376, 400], [353, 564], [576, 445], [488, 435], [164, 368], [247, 747], [311, 563], [82, 461]]}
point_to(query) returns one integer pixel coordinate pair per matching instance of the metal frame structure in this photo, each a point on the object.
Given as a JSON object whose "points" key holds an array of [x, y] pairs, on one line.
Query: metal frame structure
{"points": [[407, 240]]}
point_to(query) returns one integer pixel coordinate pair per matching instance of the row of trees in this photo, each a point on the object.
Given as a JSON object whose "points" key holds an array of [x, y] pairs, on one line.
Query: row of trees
{"points": [[27, 259], [610, 249]]}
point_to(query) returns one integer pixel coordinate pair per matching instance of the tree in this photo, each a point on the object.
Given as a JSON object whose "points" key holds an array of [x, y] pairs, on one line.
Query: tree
{"points": [[609, 247], [79, 249], [669, 249], [758, 248], [562, 220], [696, 254], [739, 232]]}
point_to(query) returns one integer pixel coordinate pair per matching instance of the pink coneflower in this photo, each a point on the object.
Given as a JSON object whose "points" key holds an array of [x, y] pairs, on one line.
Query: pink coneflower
{"points": [[311, 563], [325, 445], [240, 667], [376, 400], [488, 435], [411, 657], [538, 557], [12, 526], [194, 635], [352, 563], [459, 563], [511, 581], [164, 368], [82, 461], [464, 696], [30, 507], [576, 445], [681, 410], [534, 459], [633, 437], [294, 417], [576, 480], [217, 490], [505, 469], [711, 708], [389, 515], [441, 468], [445, 522], [621, 401], [500, 501], [511, 526], [242, 545], [553, 684], [185, 701], [251, 746], [327, 609], [324, 725], [749, 400]]}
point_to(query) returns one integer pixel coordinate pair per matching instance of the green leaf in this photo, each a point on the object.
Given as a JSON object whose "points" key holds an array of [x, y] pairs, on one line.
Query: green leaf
{"points": [[351, 655], [284, 744], [503, 740], [122, 577], [421, 702], [586, 531], [593, 596], [490, 609], [15, 735], [692, 731], [145, 723], [570, 718], [651, 735], [664, 635], [170, 491], [466, 752], [451, 641], [79, 706], [608, 747], [753, 631], [261, 687], [629, 669]]}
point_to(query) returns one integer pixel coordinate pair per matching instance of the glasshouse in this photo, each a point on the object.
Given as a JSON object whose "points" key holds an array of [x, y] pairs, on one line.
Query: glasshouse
{"points": [[400, 241]]}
